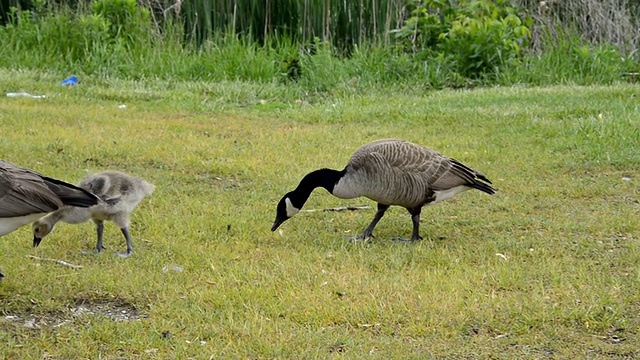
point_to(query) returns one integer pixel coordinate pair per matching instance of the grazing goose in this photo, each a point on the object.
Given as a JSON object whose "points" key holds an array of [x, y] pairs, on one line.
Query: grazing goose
{"points": [[119, 195], [390, 172], [26, 196]]}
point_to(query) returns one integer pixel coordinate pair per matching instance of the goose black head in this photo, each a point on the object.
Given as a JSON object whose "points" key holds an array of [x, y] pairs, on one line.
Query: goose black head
{"points": [[286, 209]]}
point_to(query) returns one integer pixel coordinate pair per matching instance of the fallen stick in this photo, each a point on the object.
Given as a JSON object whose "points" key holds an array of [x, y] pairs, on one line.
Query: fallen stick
{"points": [[341, 208], [63, 263]]}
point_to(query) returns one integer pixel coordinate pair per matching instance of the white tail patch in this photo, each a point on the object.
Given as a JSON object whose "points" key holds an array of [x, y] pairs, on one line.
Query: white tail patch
{"points": [[291, 210], [449, 193]]}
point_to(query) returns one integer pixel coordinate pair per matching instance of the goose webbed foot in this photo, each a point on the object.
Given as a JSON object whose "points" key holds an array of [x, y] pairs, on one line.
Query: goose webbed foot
{"points": [[415, 219], [96, 251], [401, 239], [359, 238], [1, 275], [124, 254]]}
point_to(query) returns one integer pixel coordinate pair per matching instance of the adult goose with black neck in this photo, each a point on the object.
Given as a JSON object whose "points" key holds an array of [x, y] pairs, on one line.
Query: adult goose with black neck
{"points": [[390, 172]]}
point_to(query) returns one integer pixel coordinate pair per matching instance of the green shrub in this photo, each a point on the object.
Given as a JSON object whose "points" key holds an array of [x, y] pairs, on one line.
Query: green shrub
{"points": [[478, 37], [128, 22]]}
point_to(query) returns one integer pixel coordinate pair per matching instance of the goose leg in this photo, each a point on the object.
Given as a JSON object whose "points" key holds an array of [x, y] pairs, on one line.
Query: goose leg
{"points": [[415, 218], [99, 232], [127, 236], [368, 232]]}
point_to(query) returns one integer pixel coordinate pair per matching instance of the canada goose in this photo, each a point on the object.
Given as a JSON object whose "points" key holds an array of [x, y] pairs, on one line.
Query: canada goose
{"points": [[390, 172], [26, 195], [119, 195]]}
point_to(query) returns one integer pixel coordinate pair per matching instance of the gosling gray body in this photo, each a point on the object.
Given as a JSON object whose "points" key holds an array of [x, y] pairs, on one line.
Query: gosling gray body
{"points": [[119, 195], [26, 195], [390, 172]]}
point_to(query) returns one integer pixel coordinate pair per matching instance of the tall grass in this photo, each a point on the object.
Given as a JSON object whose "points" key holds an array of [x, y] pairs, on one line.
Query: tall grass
{"points": [[613, 22], [343, 23], [356, 22], [311, 45]]}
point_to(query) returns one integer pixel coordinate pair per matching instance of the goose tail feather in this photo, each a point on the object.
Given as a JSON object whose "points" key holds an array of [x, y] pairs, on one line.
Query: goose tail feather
{"points": [[482, 186], [69, 194]]}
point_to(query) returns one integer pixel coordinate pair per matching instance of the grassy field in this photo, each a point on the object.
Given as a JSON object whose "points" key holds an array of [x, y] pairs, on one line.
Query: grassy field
{"points": [[547, 268]]}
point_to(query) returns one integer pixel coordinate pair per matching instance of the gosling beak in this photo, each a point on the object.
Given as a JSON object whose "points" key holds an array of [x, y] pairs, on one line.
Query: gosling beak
{"points": [[36, 241]]}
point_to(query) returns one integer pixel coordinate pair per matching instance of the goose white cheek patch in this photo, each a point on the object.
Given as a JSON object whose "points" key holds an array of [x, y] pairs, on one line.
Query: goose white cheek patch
{"points": [[291, 210]]}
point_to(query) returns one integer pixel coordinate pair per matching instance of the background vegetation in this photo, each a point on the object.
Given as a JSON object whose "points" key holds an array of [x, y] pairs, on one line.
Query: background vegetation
{"points": [[320, 44]]}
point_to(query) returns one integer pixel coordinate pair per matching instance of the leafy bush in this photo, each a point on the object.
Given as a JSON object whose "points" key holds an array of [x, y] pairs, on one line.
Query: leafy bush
{"points": [[128, 22], [477, 36]]}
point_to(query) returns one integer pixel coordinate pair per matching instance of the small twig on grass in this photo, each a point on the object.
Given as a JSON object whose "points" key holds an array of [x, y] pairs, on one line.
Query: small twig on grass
{"points": [[63, 263], [341, 208]]}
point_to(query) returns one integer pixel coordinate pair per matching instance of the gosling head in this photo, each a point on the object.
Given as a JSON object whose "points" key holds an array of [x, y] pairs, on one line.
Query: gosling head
{"points": [[40, 230], [286, 209]]}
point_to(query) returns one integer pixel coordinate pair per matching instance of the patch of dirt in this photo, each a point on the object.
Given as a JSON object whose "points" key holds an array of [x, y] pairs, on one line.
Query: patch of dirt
{"points": [[114, 309]]}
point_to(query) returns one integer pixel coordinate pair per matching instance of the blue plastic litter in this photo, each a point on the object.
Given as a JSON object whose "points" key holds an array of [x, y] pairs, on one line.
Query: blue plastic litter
{"points": [[72, 80]]}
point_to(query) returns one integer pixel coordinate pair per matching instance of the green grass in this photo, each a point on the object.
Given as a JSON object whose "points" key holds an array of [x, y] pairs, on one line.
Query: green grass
{"points": [[222, 155]]}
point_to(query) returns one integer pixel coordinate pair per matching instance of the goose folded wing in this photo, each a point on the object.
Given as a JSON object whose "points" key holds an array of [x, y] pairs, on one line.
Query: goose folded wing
{"points": [[27, 198], [445, 173]]}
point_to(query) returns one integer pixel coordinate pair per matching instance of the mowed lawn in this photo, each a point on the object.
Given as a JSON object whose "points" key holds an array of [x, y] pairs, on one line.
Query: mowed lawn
{"points": [[546, 268]]}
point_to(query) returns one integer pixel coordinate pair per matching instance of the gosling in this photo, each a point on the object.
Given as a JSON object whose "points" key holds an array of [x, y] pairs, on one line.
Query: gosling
{"points": [[119, 195]]}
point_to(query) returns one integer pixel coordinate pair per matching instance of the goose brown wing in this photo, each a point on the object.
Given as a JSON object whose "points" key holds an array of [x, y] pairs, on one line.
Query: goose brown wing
{"points": [[69, 194], [452, 173], [23, 192], [426, 166], [405, 172], [392, 172]]}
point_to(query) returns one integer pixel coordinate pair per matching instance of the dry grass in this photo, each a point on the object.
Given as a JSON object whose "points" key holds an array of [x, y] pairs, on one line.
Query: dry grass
{"points": [[604, 22]]}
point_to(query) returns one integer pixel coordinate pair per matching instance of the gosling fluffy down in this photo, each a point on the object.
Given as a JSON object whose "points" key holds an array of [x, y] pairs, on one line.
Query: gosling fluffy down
{"points": [[119, 195]]}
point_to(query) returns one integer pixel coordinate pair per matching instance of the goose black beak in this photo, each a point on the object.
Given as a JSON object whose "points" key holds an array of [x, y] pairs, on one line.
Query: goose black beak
{"points": [[277, 223], [36, 241]]}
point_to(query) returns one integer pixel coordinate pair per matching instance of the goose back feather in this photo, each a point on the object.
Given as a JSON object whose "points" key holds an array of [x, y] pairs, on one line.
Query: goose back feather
{"points": [[397, 172]]}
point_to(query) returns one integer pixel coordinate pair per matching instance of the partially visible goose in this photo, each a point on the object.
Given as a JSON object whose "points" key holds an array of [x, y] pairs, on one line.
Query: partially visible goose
{"points": [[390, 172], [26, 195], [119, 195]]}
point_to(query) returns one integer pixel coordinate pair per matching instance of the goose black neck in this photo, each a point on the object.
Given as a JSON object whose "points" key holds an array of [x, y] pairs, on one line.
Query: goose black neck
{"points": [[326, 178]]}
